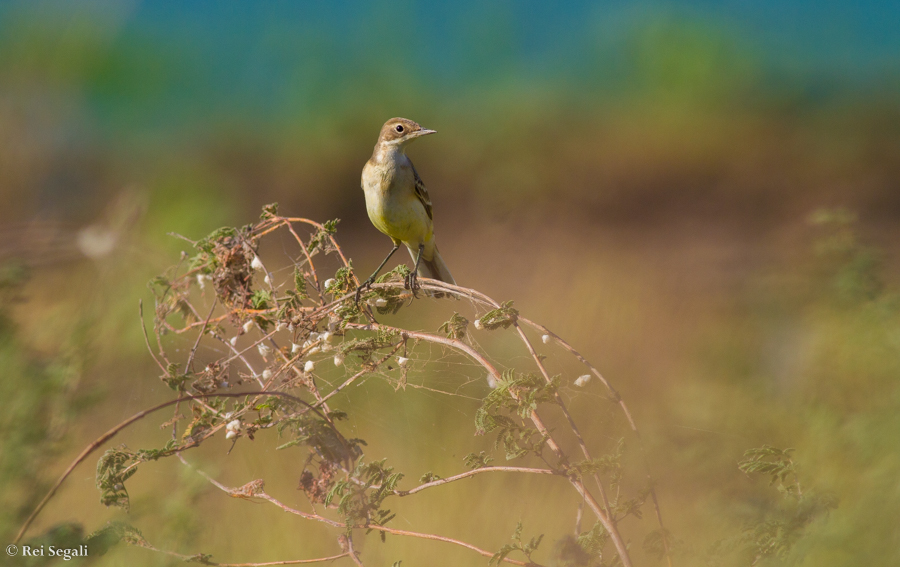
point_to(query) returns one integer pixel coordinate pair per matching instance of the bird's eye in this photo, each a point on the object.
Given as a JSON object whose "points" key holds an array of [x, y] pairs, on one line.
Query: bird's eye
{"points": [[399, 128]]}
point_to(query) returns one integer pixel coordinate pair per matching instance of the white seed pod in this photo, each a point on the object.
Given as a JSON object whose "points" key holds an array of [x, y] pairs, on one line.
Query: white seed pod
{"points": [[325, 347], [402, 361], [326, 337], [233, 340], [491, 381], [280, 327], [314, 350], [309, 366], [263, 349], [291, 327], [228, 415], [338, 359], [478, 324], [582, 380], [329, 282], [230, 434], [268, 279], [233, 425], [256, 264], [267, 374], [295, 348], [248, 325], [201, 281], [546, 339], [314, 336]]}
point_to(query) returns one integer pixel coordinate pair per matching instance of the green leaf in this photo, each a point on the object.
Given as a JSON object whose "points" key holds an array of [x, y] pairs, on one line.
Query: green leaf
{"points": [[456, 327]]}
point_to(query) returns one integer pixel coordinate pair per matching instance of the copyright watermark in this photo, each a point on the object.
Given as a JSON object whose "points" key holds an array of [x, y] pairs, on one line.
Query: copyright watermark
{"points": [[66, 554]]}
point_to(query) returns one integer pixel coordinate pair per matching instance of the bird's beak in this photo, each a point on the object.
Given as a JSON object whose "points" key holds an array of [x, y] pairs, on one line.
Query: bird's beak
{"points": [[424, 132]]}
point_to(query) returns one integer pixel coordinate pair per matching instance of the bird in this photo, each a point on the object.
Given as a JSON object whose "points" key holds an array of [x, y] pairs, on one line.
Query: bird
{"points": [[398, 203]]}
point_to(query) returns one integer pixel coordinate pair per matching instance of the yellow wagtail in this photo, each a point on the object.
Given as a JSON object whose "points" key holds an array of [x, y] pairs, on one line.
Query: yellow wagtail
{"points": [[398, 203]]}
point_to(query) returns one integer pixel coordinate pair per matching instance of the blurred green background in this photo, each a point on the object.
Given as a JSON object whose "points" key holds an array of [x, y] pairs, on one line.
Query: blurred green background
{"points": [[643, 178]]}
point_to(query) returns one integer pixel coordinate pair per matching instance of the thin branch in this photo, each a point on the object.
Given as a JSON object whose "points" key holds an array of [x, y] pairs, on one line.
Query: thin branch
{"points": [[433, 537], [195, 558], [353, 554], [473, 473], [190, 360], [147, 337]]}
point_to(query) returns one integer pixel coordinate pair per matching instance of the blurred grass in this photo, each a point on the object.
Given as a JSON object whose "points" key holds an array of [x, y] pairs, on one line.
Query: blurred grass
{"points": [[650, 206]]}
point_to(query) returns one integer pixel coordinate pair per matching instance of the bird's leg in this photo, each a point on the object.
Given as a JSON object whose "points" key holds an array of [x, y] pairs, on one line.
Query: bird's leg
{"points": [[412, 280], [368, 283]]}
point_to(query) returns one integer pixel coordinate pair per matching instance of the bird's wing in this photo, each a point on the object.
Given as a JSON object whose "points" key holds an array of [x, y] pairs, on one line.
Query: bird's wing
{"points": [[422, 194]]}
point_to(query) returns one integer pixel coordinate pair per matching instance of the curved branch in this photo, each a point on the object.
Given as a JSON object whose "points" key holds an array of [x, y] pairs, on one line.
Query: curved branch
{"points": [[473, 472]]}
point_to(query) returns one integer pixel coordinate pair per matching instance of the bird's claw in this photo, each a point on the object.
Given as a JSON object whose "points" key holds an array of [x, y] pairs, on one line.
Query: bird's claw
{"points": [[365, 286], [412, 283]]}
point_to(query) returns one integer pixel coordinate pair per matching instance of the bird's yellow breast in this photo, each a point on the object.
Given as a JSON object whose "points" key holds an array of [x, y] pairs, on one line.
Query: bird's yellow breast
{"points": [[392, 204]]}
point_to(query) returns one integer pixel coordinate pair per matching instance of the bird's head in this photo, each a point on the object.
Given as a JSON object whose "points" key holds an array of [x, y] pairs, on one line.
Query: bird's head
{"points": [[401, 131]]}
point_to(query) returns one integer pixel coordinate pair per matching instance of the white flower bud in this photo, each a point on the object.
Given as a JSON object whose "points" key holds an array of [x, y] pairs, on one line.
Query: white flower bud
{"points": [[233, 425], [402, 361], [233, 340], [546, 339], [267, 279], [263, 350], [329, 282], [338, 359], [295, 348], [267, 374], [248, 325], [478, 324], [256, 264], [230, 434], [582, 380], [309, 366]]}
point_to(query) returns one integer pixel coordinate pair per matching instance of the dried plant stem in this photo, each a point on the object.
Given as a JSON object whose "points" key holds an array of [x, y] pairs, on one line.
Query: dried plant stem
{"points": [[195, 558], [474, 472]]}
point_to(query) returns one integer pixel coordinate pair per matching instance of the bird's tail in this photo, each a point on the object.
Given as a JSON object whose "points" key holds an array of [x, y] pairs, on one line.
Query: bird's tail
{"points": [[436, 269]]}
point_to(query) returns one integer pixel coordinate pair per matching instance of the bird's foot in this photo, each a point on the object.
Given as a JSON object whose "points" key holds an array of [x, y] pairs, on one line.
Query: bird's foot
{"points": [[412, 283], [365, 286]]}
